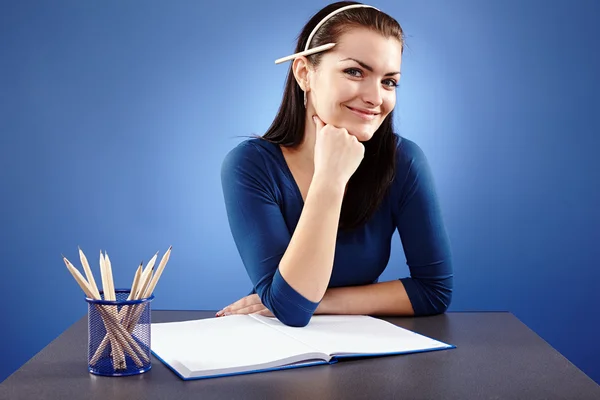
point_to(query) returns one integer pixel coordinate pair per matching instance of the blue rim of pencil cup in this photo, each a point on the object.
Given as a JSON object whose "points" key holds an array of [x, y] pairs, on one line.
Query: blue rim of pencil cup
{"points": [[103, 366]]}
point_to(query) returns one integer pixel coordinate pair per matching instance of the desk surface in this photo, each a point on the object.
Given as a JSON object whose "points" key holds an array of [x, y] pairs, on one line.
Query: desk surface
{"points": [[497, 357]]}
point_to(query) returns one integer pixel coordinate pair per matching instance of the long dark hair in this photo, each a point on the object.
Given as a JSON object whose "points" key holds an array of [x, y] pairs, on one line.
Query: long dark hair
{"points": [[369, 184]]}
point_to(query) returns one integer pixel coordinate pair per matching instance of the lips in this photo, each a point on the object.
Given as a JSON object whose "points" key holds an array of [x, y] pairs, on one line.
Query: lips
{"points": [[362, 113], [362, 110]]}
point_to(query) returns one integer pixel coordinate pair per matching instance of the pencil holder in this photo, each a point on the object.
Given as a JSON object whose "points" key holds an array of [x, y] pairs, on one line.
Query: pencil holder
{"points": [[119, 335]]}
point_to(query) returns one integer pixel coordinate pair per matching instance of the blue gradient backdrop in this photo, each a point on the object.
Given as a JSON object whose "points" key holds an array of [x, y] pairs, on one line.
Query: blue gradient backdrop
{"points": [[115, 117]]}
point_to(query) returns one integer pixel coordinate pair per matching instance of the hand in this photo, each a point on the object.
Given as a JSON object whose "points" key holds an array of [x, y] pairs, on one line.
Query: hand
{"points": [[337, 153], [246, 305]]}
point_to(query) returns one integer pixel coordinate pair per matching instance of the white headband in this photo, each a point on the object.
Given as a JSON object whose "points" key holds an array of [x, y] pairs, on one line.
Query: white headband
{"points": [[324, 47]]}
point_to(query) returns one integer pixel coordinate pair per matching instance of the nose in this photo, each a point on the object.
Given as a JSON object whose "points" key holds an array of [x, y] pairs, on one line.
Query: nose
{"points": [[371, 93]]}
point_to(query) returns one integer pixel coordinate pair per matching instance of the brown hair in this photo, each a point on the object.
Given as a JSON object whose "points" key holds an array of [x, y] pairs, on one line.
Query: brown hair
{"points": [[369, 184]]}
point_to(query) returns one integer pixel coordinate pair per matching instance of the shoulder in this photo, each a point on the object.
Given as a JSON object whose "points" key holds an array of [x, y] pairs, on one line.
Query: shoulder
{"points": [[252, 163], [250, 155], [409, 154], [412, 168], [246, 151]]}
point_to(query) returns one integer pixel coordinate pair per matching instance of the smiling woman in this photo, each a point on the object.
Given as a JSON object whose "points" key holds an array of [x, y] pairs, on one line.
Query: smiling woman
{"points": [[351, 87], [313, 204]]}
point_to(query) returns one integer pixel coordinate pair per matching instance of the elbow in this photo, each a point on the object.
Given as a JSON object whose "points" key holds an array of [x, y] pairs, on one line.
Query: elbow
{"points": [[296, 320], [434, 304], [291, 314], [440, 297], [289, 307], [440, 293], [432, 297], [441, 303]]}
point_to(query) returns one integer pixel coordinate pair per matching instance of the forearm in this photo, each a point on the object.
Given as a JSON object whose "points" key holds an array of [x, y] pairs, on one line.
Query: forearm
{"points": [[385, 298], [308, 261]]}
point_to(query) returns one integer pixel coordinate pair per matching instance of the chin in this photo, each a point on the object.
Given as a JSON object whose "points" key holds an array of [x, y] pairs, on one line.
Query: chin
{"points": [[362, 134]]}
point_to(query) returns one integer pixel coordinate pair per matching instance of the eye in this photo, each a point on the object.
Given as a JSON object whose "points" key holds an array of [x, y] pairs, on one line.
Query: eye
{"points": [[357, 73], [391, 83], [354, 72]]}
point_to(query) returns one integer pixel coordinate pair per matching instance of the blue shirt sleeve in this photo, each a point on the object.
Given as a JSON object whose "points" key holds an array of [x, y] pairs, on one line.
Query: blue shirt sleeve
{"points": [[260, 232], [419, 221]]}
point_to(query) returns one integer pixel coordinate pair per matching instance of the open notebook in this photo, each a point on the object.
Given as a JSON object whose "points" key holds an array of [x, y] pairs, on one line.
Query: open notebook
{"points": [[240, 344]]}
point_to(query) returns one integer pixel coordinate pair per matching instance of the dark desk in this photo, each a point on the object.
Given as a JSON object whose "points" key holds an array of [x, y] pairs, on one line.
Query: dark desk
{"points": [[497, 357]]}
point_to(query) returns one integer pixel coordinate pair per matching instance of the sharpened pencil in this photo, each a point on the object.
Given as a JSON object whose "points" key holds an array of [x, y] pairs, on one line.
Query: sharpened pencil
{"points": [[119, 324], [88, 272], [109, 322]]}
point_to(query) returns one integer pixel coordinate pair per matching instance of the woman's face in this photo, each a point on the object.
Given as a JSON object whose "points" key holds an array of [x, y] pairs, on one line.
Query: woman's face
{"points": [[354, 86]]}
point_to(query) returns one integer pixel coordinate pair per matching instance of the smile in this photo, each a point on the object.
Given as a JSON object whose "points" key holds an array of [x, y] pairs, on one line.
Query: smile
{"points": [[366, 115]]}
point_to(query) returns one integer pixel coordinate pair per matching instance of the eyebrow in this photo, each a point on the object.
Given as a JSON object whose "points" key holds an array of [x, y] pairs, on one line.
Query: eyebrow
{"points": [[369, 68]]}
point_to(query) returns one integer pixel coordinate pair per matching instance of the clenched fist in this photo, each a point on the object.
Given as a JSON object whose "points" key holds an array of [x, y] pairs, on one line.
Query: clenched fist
{"points": [[337, 153]]}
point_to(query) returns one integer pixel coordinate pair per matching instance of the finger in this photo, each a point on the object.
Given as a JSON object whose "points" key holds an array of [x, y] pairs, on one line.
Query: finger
{"points": [[248, 301], [226, 311], [250, 309], [240, 304], [221, 312], [318, 123], [265, 313]]}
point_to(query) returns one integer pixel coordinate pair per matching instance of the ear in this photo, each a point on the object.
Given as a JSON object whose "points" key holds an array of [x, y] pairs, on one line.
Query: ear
{"points": [[302, 72]]}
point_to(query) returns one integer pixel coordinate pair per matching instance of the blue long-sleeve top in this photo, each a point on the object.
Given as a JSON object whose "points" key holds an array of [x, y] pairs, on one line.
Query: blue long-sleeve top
{"points": [[263, 205]]}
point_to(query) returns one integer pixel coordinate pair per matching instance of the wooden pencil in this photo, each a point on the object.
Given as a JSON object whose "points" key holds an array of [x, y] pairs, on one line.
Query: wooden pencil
{"points": [[106, 271], [125, 312], [136, 281], [109, 323], [130, 324], [146, 276], [144, 281], [103, 277], [120, 323], [305, 53], [88, 272], [159, 271], [122, 313], [109, 275]]}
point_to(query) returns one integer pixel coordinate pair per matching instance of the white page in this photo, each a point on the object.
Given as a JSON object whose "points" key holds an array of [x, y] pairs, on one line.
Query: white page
{"points": [[228, 344], [356, 334]]}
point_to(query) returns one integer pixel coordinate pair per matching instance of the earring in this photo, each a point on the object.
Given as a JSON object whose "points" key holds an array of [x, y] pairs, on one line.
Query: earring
{"points": [[304, 99]]}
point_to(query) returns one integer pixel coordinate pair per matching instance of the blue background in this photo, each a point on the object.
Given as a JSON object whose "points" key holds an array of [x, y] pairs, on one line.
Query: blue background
{"points": [[115, 117]]}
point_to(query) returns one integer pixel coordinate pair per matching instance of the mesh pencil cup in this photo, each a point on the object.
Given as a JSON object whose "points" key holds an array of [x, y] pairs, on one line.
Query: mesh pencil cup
{"points": [[119, 335]]}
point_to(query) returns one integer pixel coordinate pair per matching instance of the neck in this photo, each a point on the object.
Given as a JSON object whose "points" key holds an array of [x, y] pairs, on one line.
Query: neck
{"points": [[305, 152]]}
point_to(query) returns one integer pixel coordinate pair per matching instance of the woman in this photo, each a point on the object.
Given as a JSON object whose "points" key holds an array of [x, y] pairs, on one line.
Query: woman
{"points": [[313, 204]]}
